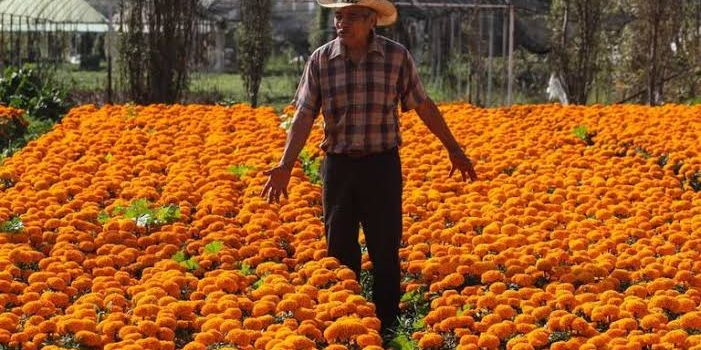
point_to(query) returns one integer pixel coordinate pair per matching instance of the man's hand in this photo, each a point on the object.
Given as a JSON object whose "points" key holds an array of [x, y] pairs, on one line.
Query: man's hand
{"points": [[279, 178], [461, 163]]}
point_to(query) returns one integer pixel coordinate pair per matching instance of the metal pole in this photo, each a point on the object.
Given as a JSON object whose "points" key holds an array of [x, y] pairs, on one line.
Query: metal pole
{"points": [[489, 61], [2, 41], [108, 44], [504, 47], [509, 98], [12, 40]]}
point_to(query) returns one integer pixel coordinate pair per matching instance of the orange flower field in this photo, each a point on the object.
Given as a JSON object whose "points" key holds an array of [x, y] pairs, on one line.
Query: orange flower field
{"points": [[12, 124], [131, 227]]}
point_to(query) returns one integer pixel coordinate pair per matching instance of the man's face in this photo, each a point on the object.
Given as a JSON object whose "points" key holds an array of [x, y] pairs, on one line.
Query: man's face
{"points": [[354, 23]]}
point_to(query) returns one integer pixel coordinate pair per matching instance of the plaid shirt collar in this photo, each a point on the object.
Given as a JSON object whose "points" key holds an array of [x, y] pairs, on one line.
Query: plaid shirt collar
{"points": [[337, 49]]}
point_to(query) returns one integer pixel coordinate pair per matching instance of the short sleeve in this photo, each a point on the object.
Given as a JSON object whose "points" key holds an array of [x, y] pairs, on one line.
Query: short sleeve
{"points": [[307, 99], [411, 92]]}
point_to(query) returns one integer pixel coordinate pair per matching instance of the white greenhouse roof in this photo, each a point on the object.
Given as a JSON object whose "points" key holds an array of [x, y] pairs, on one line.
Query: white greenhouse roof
{"points": [[41, 15]]}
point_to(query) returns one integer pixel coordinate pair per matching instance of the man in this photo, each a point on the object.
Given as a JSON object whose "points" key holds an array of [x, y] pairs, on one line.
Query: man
{"points": [[357, 81]]}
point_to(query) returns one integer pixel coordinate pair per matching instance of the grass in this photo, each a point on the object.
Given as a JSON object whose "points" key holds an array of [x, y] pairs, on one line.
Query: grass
{"points": [[278, 86], [275, 90]]}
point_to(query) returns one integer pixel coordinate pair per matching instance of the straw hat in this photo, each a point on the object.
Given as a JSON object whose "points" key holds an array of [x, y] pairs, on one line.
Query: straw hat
{"points": [[386, 12]]}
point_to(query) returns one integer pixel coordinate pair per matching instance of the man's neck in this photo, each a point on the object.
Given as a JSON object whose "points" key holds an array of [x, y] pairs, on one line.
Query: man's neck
{"points": [[359, 50]]}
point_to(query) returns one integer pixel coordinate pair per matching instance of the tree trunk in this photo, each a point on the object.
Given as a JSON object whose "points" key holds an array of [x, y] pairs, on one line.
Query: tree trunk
{"points": [[255, 41], [652, 73]]}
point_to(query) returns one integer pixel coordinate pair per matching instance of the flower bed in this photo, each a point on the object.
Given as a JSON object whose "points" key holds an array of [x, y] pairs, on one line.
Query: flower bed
{"points": [[130, 227]]}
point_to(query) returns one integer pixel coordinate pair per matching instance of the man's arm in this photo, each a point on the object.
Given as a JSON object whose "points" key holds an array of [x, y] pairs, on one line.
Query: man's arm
{"points": [[279, 176], [431, 116], [296, 138]]}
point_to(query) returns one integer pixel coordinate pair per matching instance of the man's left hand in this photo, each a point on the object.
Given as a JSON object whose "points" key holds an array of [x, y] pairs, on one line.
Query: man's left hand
{"points": [[461, 163]]}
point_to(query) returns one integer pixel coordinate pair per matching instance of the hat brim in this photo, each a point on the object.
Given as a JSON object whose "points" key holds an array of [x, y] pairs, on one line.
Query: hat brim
{"points": [[386, 12]]}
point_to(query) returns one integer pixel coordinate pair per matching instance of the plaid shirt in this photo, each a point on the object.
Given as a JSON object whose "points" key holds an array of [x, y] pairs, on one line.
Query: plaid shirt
{"points": [[359, 101]]}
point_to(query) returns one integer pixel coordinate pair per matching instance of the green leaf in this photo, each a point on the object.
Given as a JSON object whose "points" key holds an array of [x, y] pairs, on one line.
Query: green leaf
{"points": [[240, 170], [102, 217], [119, 210], [246, 269], [643, 152], [580, 131], [409, 296], [311, 167], [419, 324], [257, 284], [213, 247], [464, 308], [583, 134], [286, 121], [190, 264], [14, 225], [402, 342], [168, 214], [138, 207], [179, 256], [662, 160], [108, 157]]}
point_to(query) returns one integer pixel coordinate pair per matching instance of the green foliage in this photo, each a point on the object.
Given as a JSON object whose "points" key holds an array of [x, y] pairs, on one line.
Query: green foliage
{"points": [[139, 210], [320, 29], [65, 341], [559, 336], [188, 262], [366, 281], [156, 49], [179, 256], [584, 134], [103, 217], [577, 43], [221, 345], [246, 270], [464, 309], [662, 160], [311, 166], [643, 152], [404, 342], [257, 284], [286, 120], [240, 170], [695, 182], [12, 128], [39, 96], [412, 319], [213, 247], [254, 37], [13, 225]]}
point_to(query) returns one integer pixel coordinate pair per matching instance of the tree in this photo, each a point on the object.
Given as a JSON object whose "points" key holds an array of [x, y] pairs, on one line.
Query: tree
{"points": [[654, 60], [683, 84], [255, 43], [319, 34], [577, 44], [156, 48]]}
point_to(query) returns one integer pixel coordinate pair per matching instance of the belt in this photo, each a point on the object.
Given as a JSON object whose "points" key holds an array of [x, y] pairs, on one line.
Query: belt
{"points": [[361, 154]]}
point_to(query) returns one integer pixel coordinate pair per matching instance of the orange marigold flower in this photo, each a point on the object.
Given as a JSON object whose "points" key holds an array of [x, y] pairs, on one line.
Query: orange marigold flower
{"points": [[430, 341], [345, 328]]}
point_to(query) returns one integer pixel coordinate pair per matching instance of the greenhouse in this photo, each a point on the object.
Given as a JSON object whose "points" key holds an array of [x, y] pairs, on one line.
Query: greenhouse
{"points": [[40, 31]]}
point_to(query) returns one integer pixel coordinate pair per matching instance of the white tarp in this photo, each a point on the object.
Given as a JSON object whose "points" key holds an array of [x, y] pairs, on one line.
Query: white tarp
{"points": [[50, 15]]}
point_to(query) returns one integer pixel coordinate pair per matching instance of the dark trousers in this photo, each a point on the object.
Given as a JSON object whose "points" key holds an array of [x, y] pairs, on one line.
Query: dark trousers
{"points": [[367, 191]]}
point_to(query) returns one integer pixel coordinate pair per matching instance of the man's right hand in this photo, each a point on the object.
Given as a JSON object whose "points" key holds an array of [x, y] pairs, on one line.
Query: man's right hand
{"points": [[279, 178]]}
